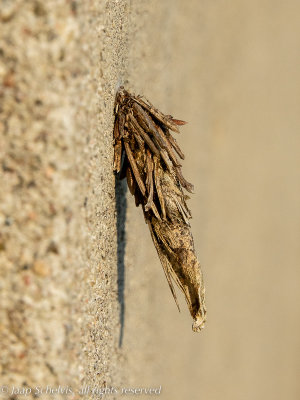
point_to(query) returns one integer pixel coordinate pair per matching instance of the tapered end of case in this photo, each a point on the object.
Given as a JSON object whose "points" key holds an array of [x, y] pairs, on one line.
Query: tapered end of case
{"points": [[198, 324]]}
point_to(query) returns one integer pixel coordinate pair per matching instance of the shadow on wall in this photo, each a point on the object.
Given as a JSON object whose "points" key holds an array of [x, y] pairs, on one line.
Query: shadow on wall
{"points": [[121, 205]]}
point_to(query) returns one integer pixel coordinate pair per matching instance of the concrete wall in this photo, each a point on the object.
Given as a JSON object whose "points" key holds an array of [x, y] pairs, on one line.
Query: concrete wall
{"points": [[83, 296]]}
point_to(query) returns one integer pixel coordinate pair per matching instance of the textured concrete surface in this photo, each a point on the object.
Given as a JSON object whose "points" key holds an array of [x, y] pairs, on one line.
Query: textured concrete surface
{"points": [[78, 307], [60, 63], [40, 202]]}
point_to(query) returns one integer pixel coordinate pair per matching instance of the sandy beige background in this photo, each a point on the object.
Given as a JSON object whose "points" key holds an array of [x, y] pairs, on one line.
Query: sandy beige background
{"points": [[70, 288], [232, 71]]}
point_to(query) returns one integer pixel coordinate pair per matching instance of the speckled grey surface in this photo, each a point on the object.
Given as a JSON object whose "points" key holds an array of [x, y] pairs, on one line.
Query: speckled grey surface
{"points": [[40, 201], [60, 63]]}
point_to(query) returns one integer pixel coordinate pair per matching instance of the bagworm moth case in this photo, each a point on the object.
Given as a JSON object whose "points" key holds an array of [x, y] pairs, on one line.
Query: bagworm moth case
{"points": [[146, 153]]}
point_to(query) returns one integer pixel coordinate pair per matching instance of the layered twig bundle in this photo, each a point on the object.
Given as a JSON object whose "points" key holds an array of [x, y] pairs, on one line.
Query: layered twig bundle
{"points": [[148, 155]]}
